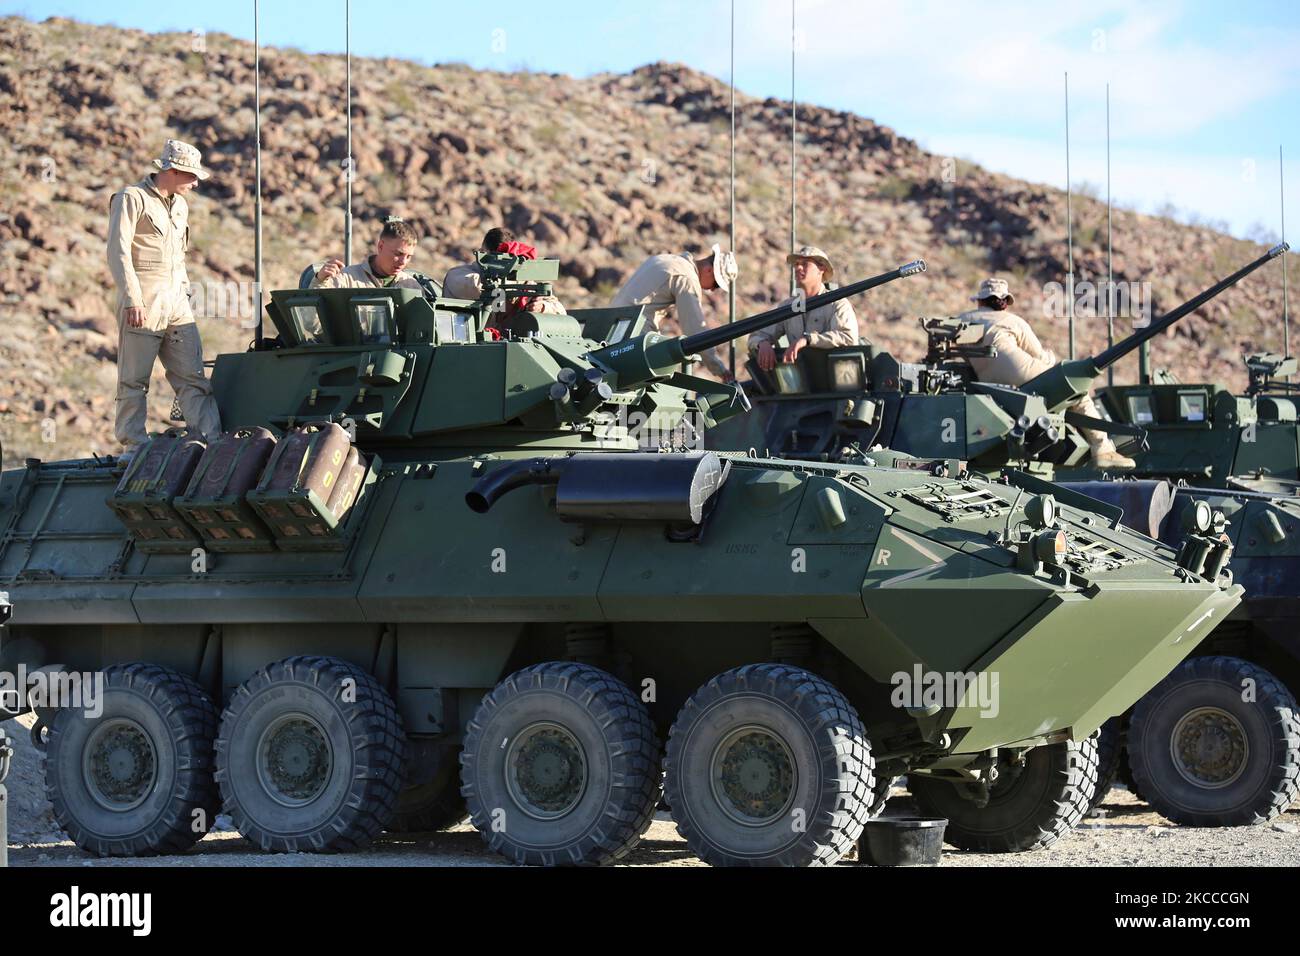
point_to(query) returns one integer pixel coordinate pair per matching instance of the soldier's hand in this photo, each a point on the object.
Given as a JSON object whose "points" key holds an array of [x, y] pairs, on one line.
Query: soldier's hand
{"points": [[134, 316], [792, 353], [329, 270], [766, 356]]}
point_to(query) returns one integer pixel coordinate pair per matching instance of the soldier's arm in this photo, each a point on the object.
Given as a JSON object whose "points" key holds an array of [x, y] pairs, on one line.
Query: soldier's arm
{"points": [[843, 329], [124, 210], [690, 314]]}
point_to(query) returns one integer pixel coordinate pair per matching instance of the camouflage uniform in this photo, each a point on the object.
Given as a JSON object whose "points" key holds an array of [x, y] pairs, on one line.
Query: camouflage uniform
{"points": [[463, 282], [148, 236], [827, 327]]}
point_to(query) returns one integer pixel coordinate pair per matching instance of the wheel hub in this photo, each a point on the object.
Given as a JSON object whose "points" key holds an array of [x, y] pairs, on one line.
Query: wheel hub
{"points": [[119, 764], [753, 776], [1209, 747], [546, 771], [294, 760]]}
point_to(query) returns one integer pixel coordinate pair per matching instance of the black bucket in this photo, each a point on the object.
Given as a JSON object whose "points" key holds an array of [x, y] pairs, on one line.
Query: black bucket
{"points": [[902, 841]]}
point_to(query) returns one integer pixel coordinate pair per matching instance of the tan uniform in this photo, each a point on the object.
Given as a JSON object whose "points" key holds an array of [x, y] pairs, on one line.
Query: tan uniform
{"points": [[463, 282], [1021, 357], [361, 276], [147, 240], [830, 326], [665, 282]]}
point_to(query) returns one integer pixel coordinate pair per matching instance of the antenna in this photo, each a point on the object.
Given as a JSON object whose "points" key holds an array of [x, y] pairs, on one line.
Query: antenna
{"points": [[1286, 312], [731, 289], [257, 173], [347, 52], [1110, 269], [794, 122], [1069, 219]]}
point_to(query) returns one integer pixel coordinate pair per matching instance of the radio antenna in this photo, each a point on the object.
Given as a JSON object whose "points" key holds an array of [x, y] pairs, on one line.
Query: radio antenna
{"points": [[1069, 219], [794, 123], [1286, 312], [1110, 268], [731, 286], [347, 53], [257, 174]]}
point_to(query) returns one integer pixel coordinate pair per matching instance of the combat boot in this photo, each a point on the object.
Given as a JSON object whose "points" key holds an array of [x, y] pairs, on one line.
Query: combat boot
{"points": [[1108, 458]]}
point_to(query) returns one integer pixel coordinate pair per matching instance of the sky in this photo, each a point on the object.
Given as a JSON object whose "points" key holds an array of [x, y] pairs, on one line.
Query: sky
{"points": [[1202, 94]]}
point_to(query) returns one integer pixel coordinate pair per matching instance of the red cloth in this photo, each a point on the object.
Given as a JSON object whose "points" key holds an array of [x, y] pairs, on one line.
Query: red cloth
{"points": [[518, 249]]}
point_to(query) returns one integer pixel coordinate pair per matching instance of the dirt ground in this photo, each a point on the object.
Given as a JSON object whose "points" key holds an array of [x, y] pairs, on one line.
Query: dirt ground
{"points": [[1123, 832]]}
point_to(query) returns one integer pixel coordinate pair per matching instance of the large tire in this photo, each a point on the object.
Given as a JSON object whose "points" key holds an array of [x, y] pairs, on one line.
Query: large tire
{"points": [[769, 765], [1026, 810], [1202, 756], [433, 803], [560, 766], [138, 779], [310, 756], [1110, 752]]}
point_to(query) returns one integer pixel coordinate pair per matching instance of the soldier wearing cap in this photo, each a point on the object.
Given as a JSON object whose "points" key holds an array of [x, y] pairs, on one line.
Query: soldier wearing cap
{"points": [[672, 281], [384, 269], [827, 327], [1021, 356], [148, 236]]}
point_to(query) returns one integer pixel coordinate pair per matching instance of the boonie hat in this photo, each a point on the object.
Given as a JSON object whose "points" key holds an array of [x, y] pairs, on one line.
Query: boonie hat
{"points": [[816, 255], [725, 267], [994, 289], [182, 156]]}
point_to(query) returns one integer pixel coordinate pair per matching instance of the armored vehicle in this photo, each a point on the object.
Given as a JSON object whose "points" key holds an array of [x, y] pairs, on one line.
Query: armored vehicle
{"points": [[443, 532], [1219, 742]]}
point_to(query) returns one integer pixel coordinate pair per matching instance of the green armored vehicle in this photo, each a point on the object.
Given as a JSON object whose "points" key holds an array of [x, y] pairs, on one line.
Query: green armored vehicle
{"points": [[518, 585], [1219, 742]]}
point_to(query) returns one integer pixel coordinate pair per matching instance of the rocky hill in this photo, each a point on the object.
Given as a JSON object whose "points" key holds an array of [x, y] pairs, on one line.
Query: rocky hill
{"points": [[598, 172]]}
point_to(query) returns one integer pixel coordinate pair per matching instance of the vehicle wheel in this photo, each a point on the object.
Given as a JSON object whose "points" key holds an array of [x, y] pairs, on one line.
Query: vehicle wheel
{"points": [[1109, 751], [769, 765], [435, 802], [138, 779], [561, 767], [880, 795], [1203, 756], [1027, 810], [310, 756]]}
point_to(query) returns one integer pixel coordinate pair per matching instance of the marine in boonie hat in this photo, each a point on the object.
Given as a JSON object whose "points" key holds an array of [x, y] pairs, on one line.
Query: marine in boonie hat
{"points": [[182, 156], [817, 256], [992, 288]]}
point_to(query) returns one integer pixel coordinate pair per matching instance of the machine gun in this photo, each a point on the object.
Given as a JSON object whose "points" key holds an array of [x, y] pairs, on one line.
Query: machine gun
{"points": [[1264, 367]]}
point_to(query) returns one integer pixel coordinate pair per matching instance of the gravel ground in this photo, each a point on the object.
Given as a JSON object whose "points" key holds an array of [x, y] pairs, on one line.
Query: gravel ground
{"points": [[1124, 832]]}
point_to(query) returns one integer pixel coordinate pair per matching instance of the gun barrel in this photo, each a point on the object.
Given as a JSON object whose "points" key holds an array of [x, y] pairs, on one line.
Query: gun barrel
{"points": [[711, 338], [1122, 348]]}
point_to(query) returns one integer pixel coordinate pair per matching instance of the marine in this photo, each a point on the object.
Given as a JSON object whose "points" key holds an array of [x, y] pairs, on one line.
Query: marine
{"points": [[668, 281], [827, 327], [148, 236], [385, 268], [1021, 356]]}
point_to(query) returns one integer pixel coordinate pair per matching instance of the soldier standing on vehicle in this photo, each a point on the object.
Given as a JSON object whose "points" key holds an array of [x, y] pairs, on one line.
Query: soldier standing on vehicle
{"points": [[667, 281], [148, 236], [384, 269], [1021, 357], [828, 327], [466, 281]]}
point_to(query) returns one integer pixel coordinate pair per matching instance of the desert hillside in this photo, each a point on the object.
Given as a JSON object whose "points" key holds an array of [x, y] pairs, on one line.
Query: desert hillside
{"points": [[598, 172]]}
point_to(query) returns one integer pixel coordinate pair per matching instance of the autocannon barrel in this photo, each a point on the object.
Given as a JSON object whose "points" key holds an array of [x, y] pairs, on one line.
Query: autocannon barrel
{"points": [[654, 355], [1125, 346], [1064, 384]]}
